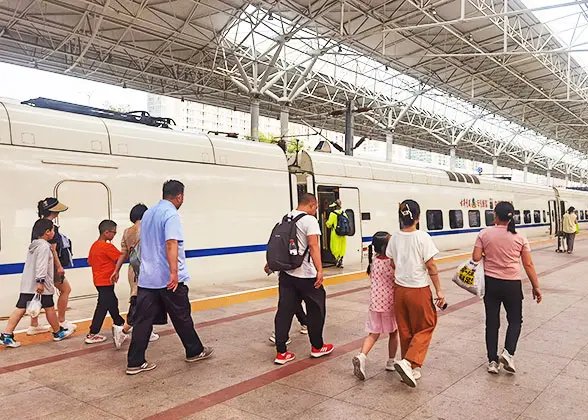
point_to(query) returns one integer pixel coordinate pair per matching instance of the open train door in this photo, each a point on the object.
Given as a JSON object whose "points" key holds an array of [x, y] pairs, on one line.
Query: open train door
{"points": [[301, 176], [350, 202]]}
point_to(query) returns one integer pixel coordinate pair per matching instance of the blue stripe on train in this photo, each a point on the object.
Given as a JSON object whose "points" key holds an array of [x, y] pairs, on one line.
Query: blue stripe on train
{"points": [[17, 268], [368, 239]]}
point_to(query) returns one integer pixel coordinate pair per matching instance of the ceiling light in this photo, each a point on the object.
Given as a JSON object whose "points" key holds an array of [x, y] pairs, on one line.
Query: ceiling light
{"points": [[433, 11]]}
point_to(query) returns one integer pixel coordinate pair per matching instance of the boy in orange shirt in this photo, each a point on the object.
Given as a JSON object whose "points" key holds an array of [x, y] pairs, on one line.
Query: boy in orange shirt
{"points": [[102, 258]]}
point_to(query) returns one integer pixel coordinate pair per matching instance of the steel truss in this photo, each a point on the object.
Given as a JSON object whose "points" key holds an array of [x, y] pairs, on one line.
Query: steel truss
{"points": [[305, 60]]}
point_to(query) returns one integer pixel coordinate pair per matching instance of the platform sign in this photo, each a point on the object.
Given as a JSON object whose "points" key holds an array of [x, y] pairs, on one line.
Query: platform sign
{"points": [[480, 170]]}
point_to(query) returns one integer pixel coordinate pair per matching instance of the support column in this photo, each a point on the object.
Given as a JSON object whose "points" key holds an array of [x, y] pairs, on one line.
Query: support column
{"points": [[349, 129], [389, 147], [495, 166], [549, 178], [254, 118], [285, 121], [525, 173], [452, 158]]}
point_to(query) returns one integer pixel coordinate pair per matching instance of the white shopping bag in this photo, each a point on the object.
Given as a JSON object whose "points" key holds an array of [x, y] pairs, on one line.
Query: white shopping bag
{"points": [[470, 276], [34, 306]]}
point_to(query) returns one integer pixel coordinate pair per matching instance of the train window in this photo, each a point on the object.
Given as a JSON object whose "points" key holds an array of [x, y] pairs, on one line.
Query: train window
{"points": [[581, 214], [537, 216], [517, 217], [474, 217], [455, 219], [544, 216], [527, 216], [489, 217], [434, 220]]}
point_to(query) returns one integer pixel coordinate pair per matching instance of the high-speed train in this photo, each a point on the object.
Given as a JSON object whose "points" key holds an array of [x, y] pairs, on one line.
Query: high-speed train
{"points": [[236, 191]]}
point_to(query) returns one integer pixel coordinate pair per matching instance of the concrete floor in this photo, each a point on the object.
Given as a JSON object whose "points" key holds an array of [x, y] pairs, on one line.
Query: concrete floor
{"points": [[72, 380]]}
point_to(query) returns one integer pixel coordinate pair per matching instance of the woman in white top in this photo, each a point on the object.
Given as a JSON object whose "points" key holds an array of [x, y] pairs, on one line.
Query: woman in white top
{"points": [[412, 252]]}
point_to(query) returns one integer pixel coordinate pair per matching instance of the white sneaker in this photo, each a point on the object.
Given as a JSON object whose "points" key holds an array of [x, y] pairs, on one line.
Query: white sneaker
{"points": [[68, 325], [390, 365], [154, 337], [118, 335], [416, 372], [303, 329], [507, 361], [404, 369], [39, 329], [493, 367], [273, 338], [359, 366]]}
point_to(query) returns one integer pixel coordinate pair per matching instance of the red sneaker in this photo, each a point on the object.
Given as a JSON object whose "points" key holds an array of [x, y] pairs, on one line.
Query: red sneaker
{"points": [[323, 351], [283, 358]]}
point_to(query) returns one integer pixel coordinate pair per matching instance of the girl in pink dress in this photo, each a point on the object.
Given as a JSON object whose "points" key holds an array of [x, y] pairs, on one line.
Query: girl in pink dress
{"points": [[381, 319]]}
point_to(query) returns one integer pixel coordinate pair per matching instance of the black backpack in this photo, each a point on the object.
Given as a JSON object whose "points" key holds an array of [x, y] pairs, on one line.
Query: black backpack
{"points": [[278, 247], [343, 227]]}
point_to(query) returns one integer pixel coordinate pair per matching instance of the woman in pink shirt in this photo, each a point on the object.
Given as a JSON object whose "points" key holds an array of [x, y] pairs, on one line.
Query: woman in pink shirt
{"points": [[502, 249]]}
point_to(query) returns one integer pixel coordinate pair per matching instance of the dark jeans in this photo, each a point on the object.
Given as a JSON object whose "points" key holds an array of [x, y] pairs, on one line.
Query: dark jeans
{"points": [[151, 304], [107, 302], [293, 291], [570, 238], [510, 294]]}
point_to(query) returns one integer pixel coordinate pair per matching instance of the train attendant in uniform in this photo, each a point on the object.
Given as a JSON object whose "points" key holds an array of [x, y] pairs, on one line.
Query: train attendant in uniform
{"points": [[130, 239], [162, 281], [338, 244], [502, 249], [413, 257], [570, 220], [50, 208]]}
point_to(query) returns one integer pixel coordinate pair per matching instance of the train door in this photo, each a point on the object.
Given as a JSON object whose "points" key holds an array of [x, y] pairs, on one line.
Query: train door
{"points": [[300, 183], [88, 204], [351, 205], [552, 218]]}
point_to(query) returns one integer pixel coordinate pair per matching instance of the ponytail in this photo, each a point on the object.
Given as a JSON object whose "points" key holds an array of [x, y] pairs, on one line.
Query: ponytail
{"points": [[370, 258], [511, 226], [40, 210], [505, 213]]}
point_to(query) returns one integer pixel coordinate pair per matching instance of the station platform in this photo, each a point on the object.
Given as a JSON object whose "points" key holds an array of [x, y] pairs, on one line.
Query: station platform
{"points": [[73, 380]]}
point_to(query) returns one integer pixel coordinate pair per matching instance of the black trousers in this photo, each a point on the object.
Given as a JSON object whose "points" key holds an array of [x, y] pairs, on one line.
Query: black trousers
{"points": [[301, 315], [510, 294], [293, 291], [107, 302], [151, 304]]}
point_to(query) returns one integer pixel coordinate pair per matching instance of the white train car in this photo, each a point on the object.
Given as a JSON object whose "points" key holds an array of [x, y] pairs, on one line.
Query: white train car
{"points": [[235, 192]]}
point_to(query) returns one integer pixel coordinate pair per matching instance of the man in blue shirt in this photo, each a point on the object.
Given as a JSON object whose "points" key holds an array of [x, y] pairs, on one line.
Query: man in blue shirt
{"points": [[162, 278]]}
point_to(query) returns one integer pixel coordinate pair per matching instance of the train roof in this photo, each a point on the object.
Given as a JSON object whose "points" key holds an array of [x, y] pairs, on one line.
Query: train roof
{"points": [[29, 126]]}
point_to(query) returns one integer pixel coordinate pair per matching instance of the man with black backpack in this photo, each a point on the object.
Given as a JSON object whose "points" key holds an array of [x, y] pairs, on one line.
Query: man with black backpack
{"points": [[294, 251]]}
